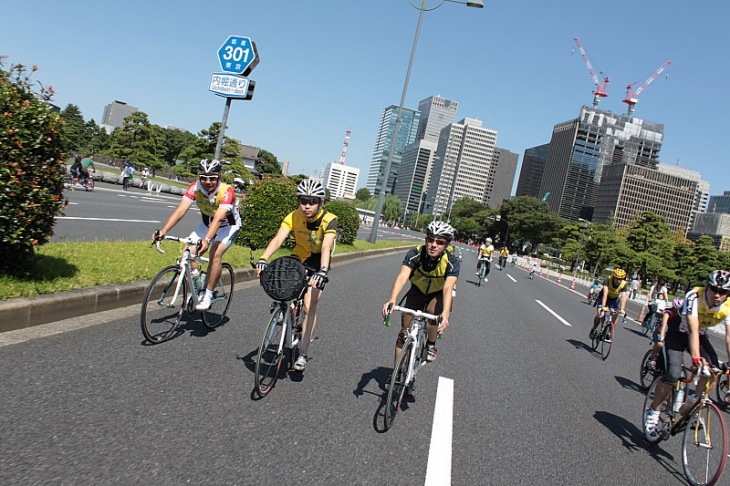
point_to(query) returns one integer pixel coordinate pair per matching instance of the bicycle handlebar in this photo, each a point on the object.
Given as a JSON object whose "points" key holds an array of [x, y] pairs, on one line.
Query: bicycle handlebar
{"points": [[416, 313], [186, 241]]}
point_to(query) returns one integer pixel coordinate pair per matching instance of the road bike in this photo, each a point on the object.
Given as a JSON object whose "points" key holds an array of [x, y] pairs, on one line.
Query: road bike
{"points": [[284, 330], [174, 291], [704, 442], [502, 262], [412, 357], [651, 321], [723, 387], [484, 262], [603, 334]]}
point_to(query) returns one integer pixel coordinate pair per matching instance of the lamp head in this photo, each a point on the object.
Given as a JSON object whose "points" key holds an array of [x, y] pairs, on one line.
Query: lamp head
{"points": [[475, 3]]}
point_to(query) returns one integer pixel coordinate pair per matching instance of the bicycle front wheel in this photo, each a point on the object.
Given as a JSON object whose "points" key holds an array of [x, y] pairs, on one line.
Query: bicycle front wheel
{"points": [[398, 383], [647, 374], [161, 314], [704, 445], [607, 340], [221, 298], [596, 340], [723, 386], [271, 351]]}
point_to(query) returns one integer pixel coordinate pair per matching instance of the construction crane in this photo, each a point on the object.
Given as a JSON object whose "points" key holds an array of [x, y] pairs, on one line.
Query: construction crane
{"points": [[632, 96], [600, 91], [345, 144]]}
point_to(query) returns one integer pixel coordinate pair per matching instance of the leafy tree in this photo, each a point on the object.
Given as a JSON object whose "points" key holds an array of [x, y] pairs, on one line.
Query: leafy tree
{"points": [[268, 163], [174, 141], [31, 168], [75, 136], [391, 208], [137, 141], [267, 203], [348, 220], [651, 240], [363, 194], [599, 246], [705, 261], [99, 140]]}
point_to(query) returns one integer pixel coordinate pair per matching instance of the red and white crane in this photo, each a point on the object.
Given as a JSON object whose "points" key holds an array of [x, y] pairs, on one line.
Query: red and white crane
{"points": [[345, 144], [632, 96], [600, 91]]}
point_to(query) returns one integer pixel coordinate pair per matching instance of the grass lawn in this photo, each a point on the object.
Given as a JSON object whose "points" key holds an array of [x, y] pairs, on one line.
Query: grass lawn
{"points": [[68, 266]]}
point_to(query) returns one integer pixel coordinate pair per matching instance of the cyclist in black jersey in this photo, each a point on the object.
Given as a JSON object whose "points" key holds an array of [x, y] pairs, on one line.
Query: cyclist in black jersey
{"points": [[433, 272]]}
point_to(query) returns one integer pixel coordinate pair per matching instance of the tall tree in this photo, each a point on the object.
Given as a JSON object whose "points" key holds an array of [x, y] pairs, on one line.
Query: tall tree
{"points": [[651, 240], [75, 136], [137, 141], [268, 163]]}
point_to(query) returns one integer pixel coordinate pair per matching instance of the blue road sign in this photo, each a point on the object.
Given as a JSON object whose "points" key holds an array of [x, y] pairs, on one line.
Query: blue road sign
{"points": [[238, 55]]}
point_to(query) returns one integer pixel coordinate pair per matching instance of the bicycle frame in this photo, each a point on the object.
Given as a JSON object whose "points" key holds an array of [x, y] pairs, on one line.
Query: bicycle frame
{"points": [[185, 269], [418, 333], [678, 419]]}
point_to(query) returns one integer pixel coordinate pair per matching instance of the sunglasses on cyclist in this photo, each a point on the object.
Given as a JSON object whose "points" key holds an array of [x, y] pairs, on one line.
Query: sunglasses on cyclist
{"points": [[718, 290], [436, 241], [208, 178], [308, 201]]}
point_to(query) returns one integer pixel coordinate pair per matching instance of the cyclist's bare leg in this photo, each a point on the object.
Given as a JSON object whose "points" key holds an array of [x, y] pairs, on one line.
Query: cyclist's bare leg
{"points": [[660, 394], [406, 320], [309, 321], [215, 264]]}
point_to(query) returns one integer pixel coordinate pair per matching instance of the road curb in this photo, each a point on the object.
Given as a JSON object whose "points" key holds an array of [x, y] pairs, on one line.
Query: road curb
{"points": [[28, 312]]}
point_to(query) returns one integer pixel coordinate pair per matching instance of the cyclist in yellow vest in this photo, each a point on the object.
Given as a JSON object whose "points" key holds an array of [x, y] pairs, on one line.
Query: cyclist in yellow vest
{"points": [[704, 307], [433, 272], [613, 296], [315, 231], [221, 221]]}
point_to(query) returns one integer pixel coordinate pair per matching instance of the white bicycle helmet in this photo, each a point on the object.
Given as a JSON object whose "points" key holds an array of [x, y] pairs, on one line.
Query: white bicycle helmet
{"points": [[210, 166], [439, 228], [310, 187], [719, 279]]}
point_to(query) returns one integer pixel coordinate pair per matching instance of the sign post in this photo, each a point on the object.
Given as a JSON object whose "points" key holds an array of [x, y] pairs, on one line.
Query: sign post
{"points": [[238, 56]]}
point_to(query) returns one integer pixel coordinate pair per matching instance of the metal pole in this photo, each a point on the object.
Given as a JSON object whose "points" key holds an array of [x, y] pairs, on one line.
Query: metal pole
{"points": [[222, 131], [580, 246], [381, 196]]}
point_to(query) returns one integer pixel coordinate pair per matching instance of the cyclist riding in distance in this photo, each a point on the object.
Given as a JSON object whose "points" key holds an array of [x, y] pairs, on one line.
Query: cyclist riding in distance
{"points": [[432, 271], [484, 257], [595, 287], [503, 256], [315, 231], [704, 307], [86, 164], [221, 221], [671, 319], [613, 296]]}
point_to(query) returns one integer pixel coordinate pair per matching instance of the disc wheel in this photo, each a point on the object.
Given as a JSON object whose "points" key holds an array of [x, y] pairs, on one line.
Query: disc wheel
{"points": [[221, 298], [704, 445], [160, 316], [663, 417], [271, 351], [398, 386]]}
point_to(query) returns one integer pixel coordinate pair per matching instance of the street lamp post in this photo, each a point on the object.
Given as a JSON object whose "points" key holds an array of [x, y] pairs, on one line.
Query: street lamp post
{"points": [[381, 196], [580, 246], [498, 217]]}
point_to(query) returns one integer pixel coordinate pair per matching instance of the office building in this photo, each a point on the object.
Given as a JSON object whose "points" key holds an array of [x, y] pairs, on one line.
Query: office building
{"points": [[414, 175], [581, 148], [627, 190], [501, 177], [533, 166], [341, 180], [436, 113], [406, 135], [461, 166], [114, 115], [720, 204], [713, 224]]}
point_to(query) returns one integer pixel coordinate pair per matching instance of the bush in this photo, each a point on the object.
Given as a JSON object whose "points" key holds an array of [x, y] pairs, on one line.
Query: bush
{"points": [[267, 203], [348, 221], [31, 168]]}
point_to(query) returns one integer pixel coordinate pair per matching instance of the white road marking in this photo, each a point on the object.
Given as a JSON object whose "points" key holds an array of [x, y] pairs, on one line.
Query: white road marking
{"points": [[438, 470], [554, 314], [111, 219], [512, 278]]}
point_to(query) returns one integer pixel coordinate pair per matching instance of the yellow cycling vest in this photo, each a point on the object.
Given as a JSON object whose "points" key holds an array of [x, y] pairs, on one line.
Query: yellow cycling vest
{"points": [[707, 317], [614, 292], [206, 207], [433, 281]]}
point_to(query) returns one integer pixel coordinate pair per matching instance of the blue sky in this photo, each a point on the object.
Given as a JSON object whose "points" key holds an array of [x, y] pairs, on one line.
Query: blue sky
{"points": [[328, 66]]}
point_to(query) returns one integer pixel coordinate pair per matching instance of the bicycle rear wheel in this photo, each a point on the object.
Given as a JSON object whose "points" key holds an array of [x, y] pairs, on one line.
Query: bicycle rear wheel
{"points": [[723, 386], [607, 340], [664, 409], [398, 385], [271, 351], [704, 445], [221, 298], [161, 316]]}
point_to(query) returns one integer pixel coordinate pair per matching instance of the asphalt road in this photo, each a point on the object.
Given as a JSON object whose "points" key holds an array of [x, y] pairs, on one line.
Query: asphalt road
{"points": [[87, 402]]}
